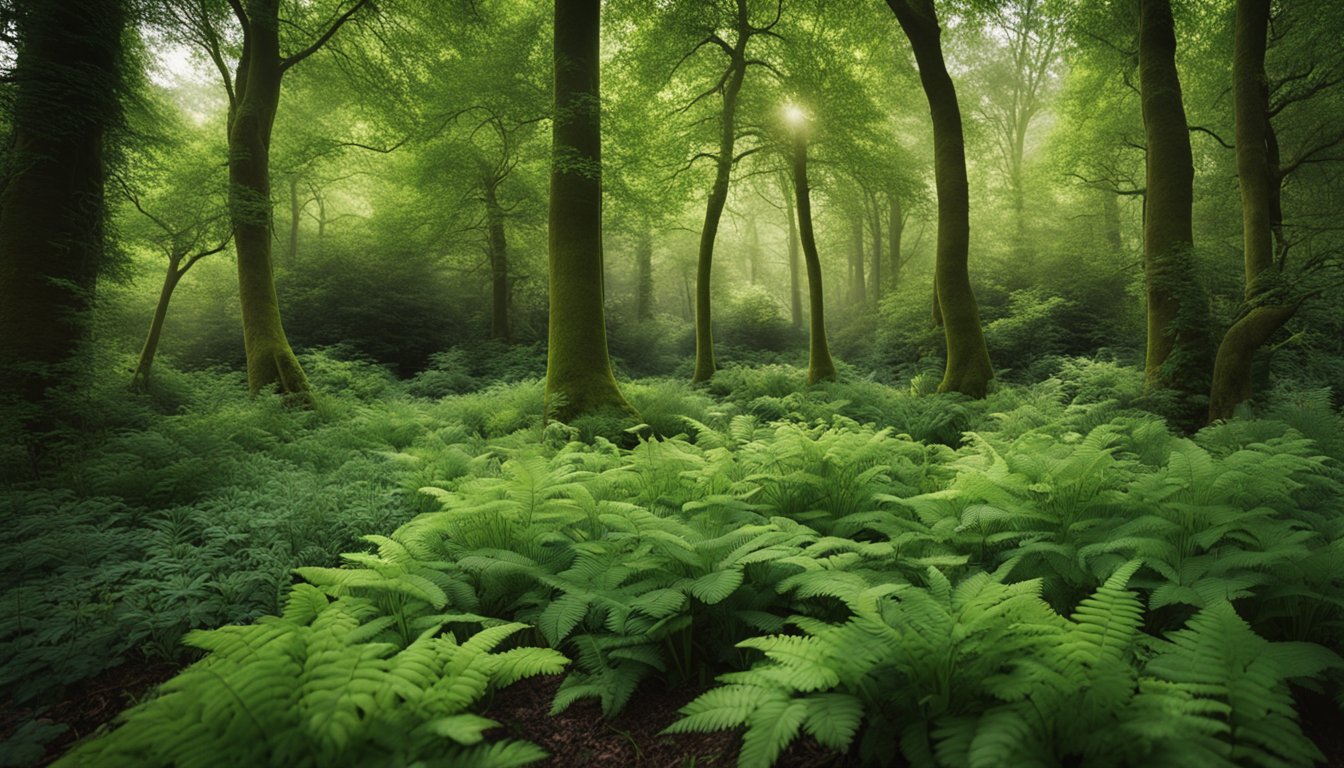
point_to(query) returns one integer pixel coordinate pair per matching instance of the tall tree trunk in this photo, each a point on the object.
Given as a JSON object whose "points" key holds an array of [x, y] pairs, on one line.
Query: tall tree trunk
{"points": [[644, 278], [579, 379], [877, 252], [895, 229], [820, 367], [140, 381], [1177, 348], [270, 360], [1110, 222], [52, 206], [753, 251], [858, 290], [718, 197], [295, 210], [498, 250], [968, 368], [795, 287], [1261, 319]]}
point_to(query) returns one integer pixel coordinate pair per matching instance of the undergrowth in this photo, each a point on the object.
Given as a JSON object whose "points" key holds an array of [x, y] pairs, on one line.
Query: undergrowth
{"points": [[1045, 577]]}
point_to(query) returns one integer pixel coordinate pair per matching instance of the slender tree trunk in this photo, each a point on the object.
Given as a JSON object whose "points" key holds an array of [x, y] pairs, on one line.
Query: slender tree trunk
{"points": [[140, 381], [1110, 221], [753, 252], [718, 196], [1234, 364], [877, 253], [795, 287], [52, 206], [859, 289], [820, 367], [295, 210], [270, 360], [895, 230], [498, 250], [644, 278], [968, 368], [579, 379], [1177, 349]]}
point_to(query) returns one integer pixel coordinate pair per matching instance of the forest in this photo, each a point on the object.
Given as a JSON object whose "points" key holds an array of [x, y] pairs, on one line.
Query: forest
{"points": [[672, 383]]}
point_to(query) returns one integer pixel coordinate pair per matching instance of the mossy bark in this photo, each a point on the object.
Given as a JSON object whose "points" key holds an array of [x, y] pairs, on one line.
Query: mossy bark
{"points": [[1233, 366], [968, 368], [579, 378], [1177, 354], [52, 205], [270, 360], [820, 367]]}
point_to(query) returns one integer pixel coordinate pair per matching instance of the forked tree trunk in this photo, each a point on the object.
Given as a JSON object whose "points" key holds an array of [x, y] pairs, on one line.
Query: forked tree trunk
{"points": [[820, 367], [968, 368], [1177, 347], [579, 379], [1233, 366], [52, 206]]}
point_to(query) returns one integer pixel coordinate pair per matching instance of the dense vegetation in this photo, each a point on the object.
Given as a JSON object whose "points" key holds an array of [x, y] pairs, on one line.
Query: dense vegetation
{"points": [[948, 383]]}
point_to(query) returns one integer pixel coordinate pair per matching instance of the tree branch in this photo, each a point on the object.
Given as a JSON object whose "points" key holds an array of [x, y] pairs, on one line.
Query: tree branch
{"points": [[325, 38]]}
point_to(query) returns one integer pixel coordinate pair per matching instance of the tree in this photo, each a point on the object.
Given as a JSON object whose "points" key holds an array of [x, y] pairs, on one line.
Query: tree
{"points": [[186, 213], [67, 77], [579, 379], [1177, 348], [253, 90], [820, 367], [968, 369], [729, 84]]}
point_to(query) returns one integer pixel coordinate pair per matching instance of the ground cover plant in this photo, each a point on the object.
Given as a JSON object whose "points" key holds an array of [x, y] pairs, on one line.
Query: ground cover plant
{"points": [[791, 383]]}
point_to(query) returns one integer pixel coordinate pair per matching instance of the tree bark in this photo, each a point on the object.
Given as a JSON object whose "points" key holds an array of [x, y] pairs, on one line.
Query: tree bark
{"points": [[270, 360], [1233, 366], [579, 378], [1177, 348], [140, 380], [858, 293], [795, 279], [498, 250], [644, 278], [820, 367], [718, 196], [968, 369], [52, 206], [895, 229]]}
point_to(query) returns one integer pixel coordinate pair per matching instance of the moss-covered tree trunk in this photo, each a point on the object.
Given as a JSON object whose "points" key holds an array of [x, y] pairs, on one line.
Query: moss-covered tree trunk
{"points": [[497, 250], [579, 379], [644, 277], [968, 368], [52, 206], [1263, 315], [270, 360], [1177, 345], [820, 367]]}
